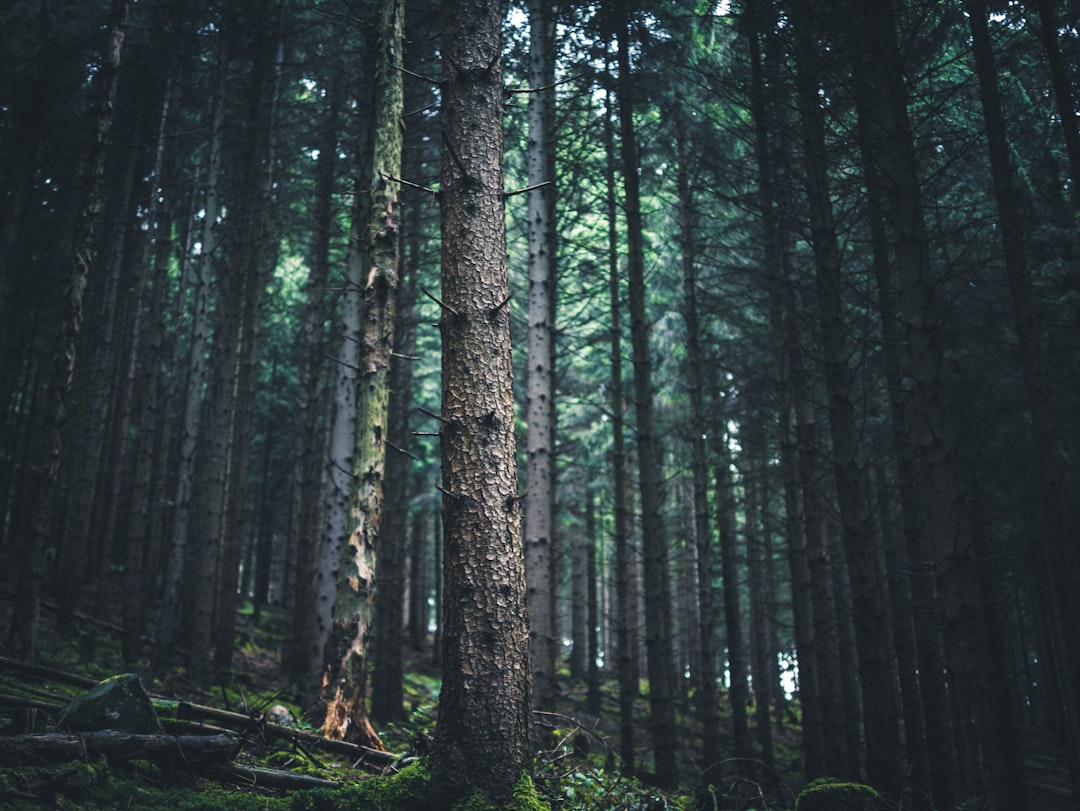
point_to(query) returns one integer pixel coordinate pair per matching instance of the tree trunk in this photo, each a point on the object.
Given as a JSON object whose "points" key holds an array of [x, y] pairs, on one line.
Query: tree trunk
{"points": [[22, 637], [932, 432], [657, 579], [539, 518], [592, 615], [344, 659], [299, 659], [702, 534], [483, 737], [738, 693], [881, 723], [625, 570]]}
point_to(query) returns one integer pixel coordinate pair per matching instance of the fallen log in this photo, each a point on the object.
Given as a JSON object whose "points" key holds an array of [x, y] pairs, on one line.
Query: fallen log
{"points": [[55, 747], [184, 710], [256, 777]]}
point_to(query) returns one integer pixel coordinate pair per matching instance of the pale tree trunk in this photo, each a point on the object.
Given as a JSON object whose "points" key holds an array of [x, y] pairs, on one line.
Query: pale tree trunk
{"points": [[169, 617], [578, 604], [709, 704], [483, 737], [22, 637], [592, 616], [625, 569], [305, 634], [344, 657], [539, 518], [881, 723]]}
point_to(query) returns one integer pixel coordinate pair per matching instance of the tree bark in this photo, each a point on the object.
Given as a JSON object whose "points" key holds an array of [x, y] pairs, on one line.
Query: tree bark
{"points": [[539, 518], [483, 737], [344, 659]]}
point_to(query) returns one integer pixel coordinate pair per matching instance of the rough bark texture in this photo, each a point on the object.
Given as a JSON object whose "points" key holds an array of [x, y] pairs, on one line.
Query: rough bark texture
{"points": [[540, 443], [344, 671], [483, 736]]}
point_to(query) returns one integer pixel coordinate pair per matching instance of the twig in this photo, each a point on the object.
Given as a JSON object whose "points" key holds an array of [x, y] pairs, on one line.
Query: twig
{"points": [[439, 301], [533, 187]]}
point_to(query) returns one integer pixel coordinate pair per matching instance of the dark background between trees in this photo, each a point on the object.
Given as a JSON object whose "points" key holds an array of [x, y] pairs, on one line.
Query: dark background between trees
{"points": [[800, 289]]}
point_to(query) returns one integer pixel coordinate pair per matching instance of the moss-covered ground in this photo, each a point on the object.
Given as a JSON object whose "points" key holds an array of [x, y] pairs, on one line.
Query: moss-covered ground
{"points": [[576, 765]]}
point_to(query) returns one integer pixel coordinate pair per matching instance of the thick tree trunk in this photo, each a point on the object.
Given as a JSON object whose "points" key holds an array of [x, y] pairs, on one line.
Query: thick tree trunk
{"points": [[539, 518], [344, 659], [657, 578], [483, 737]]}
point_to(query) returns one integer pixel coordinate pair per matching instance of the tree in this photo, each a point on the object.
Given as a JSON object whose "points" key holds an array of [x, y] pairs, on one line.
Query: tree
{"points": [[540, 443], [657, 580], [22, 636], [483, 737], [344, 673]]}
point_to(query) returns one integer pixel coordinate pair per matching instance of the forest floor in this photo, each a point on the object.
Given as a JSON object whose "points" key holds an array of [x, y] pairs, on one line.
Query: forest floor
{"points": [[576, 764], [275, 765]]}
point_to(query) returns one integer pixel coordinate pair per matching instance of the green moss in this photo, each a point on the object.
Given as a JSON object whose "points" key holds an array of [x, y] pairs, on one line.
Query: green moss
{"points": [[828, 794], [524, 798]]}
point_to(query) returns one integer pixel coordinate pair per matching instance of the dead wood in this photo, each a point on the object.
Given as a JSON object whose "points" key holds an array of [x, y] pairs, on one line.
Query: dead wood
{"points": [[56, 747]]}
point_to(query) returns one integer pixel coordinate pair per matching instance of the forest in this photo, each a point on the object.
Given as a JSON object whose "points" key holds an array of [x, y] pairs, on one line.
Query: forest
{"points": [[619, 405]]}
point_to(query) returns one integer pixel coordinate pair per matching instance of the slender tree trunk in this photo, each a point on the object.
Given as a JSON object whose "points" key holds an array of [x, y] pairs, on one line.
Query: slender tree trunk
{"points": [[592, 615], [578, 603], [773, 180], [738, 693], [344, 658], [388, 673], [540, 497], [22, 637], [657, 579], [153, 291], [882, 730], [169, 619], [301, 656], [483, 737], [753, 442], [709, 701], [625, 571]]}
